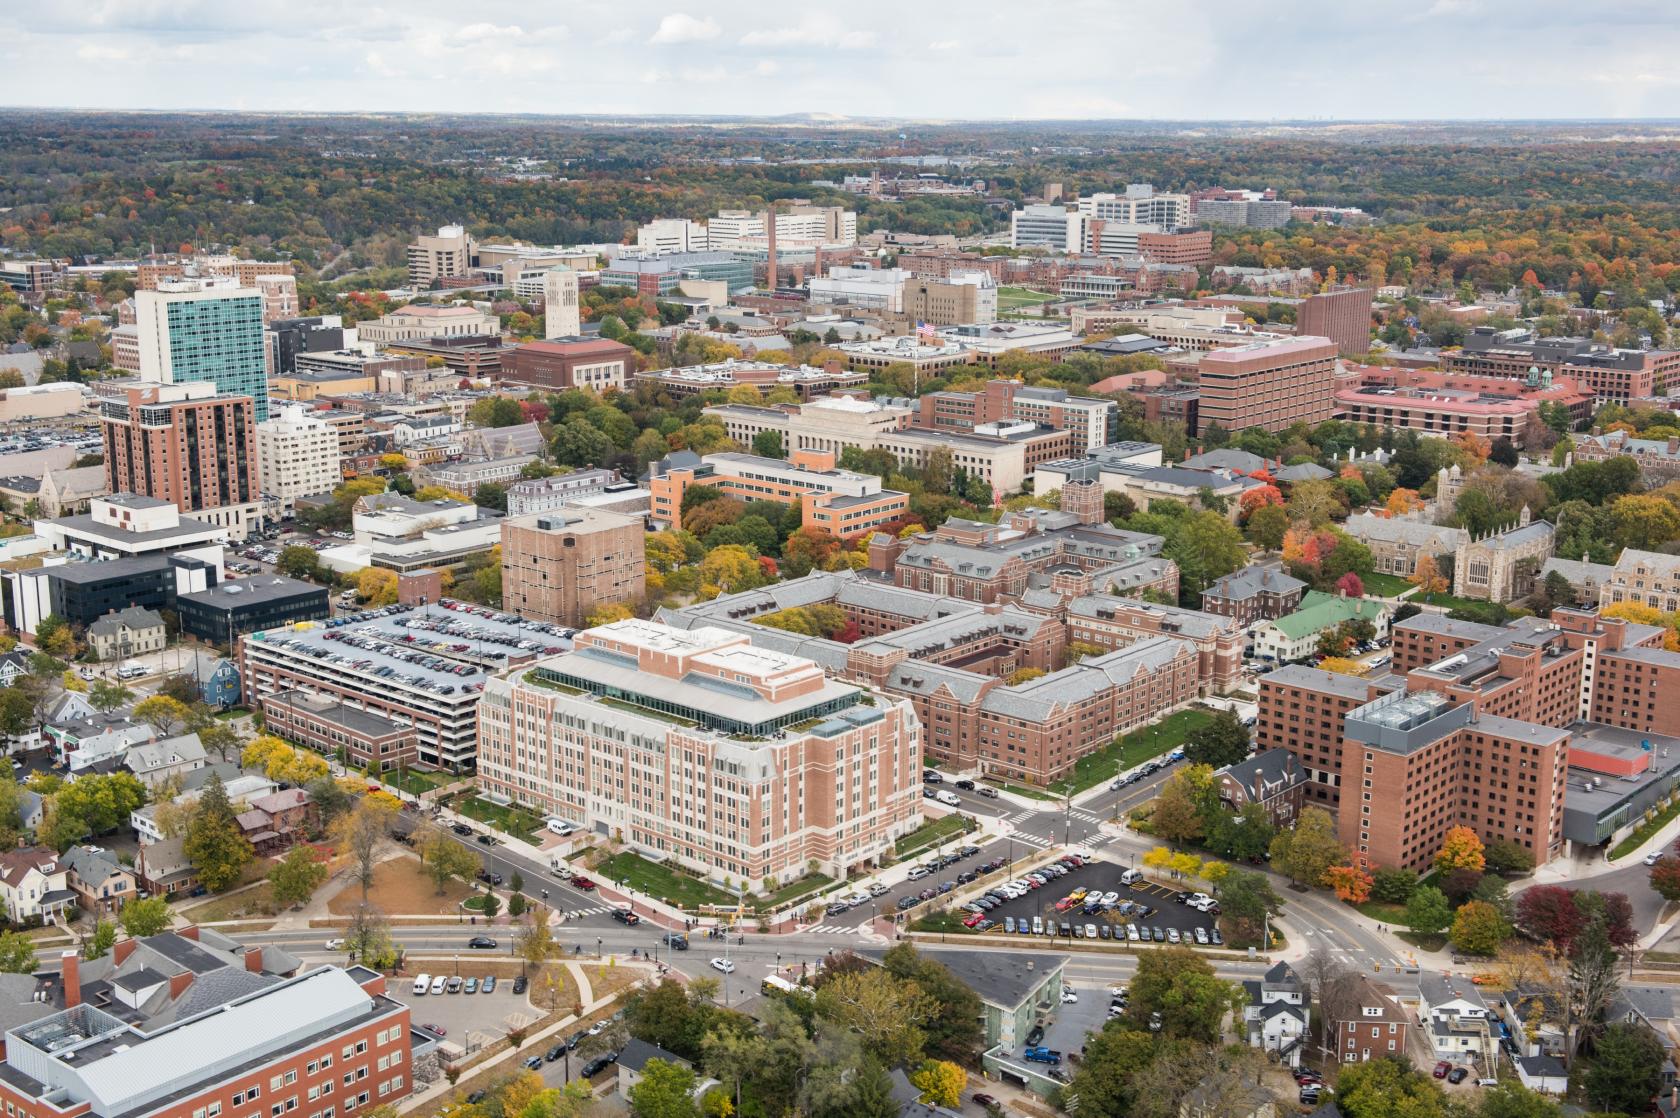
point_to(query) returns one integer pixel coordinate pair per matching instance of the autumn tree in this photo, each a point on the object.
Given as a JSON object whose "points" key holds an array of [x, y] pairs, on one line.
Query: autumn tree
{"points": [[214, 842], [940, 1082], [1461, 850], [1352, 883], [149, 917], [1478, 929], [1306, 853], [295, 877], [1427, 577], [442, 858]]}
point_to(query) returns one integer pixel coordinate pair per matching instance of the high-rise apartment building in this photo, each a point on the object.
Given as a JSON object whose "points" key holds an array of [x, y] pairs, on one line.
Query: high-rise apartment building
{"points": [[280, 296], [1270, 383], [559, 566], [297, 455], [1139, 205], [186, 444], [823, 225], [673, 234], [451, 254], [1343, 316], [159, 270], [734, 760], [1054, 227], [204, 330]]}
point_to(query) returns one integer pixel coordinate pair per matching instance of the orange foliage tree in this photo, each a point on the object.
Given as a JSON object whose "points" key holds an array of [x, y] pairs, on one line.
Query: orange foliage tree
{"points": [[1258, 497], [1461, 850], [1403, 501], [1351, 883]]}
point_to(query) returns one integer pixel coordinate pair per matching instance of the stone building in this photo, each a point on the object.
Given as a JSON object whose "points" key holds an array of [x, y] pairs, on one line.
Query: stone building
{"points": [[1503, 566], [1398, 542]]}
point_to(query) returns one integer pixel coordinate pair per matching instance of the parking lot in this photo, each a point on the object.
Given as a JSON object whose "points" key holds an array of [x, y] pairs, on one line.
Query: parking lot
{"points": [[1103, 877], [460, 1014]]}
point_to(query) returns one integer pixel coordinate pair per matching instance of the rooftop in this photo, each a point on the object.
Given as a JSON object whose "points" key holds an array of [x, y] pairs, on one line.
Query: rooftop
{"points": [[245, 592]]}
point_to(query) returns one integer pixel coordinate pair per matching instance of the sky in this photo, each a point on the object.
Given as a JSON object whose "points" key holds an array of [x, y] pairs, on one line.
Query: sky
{"points": [[917, 59]]}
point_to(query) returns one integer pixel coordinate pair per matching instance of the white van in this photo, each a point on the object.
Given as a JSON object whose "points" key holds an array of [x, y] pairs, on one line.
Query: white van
{"points": [[1131, 877], [949, 799], [560, 827], [422, 983], [439, 984]]}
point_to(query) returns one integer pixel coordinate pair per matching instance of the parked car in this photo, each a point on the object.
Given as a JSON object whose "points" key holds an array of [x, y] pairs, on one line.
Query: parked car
{"points": [[1038, 1055], [1458, 1075], [599, 1064], [676, 941], [1441, 1068], [482, 943], [454, 986], [988, 792], [471, 987], [488, 986], [519, 984], [555, 1052]]}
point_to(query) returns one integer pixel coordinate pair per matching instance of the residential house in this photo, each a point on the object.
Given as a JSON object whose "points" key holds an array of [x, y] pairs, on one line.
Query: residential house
{"points": [[82, 743], [128, 632], [1457, 1023], [101, 883], [1277, 1015], [221, 685], [1294, 636], [1222, 1097], [157, 761], [241, 786], [1253, 594], [1272, 778], [276, 821], [1375, 1025], [14, 666], [909, 1099], [34, 885], [633, 1059], [30, 808], [163, 868]]}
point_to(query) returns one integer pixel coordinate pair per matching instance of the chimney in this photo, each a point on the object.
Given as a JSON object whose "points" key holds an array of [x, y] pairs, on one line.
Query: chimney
{"points": [[72, 962], [178, 984], [254, 960], [188, 932], [122, 949]]}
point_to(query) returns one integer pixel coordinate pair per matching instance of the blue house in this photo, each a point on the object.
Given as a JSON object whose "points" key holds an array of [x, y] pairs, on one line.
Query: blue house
{"points": [[221, 685]]}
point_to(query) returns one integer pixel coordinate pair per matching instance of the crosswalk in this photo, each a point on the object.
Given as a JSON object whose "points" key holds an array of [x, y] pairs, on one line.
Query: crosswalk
{"points": [[598, 910], [836, 929], [1086, 816], [1031, 839]]}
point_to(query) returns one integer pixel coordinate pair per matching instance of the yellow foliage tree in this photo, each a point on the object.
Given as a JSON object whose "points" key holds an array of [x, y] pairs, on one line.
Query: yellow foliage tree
{"points": [[1186, 865], [607, 614], [746, 394], [1427, 577], [1159, 858], [1461, 850], [1641, 614], [940, 1082], [376, 586], [393, 462], [1342, 665], [1215, 872]]}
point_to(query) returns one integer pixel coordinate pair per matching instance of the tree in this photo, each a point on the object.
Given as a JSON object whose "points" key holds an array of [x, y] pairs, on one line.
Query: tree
{"points": [[214, 842], [299, 562], [1644, 521], [941, 1082], [886, 1014], [1427, 911], [1461, 850], [1308, 851], [1626, 1071], [357, 834], [534, 943], [54, 636], [664, 1090], [1350, 585], [376, 587], [953, 1031], [98, 944], [768, 444], [442, 858], [1393, 886], [1478, 929], [1266, 527], [1352, 883], [1246, 902], [1591, 984], [1206, 547], [1175, 816], [1220, 742], [1665, 878], [1506, 857], [1426, 576], [1181, 986], [296, 876], [368, 939], [1388, 1088], [17, 953], [164, 714], [1549, 914], [149, 917], [17, 713], [107, 697]]}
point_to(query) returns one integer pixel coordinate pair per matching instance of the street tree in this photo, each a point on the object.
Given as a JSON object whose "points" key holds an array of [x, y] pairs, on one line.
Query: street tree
{"points": [[1626, 1070], [357, 835], [148, 917], [1181, 986], [214, 842], [1220, 742], [1427, 911], [295, 877], [1306, 853]]}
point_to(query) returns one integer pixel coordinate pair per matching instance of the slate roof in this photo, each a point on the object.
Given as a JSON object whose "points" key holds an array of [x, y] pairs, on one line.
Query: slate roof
{"points": [[1038, 699], [1306, 471], [1438, 539], [1227, 458], [1269, 769], [1250, 581], [134, 617], [636, 1053]]}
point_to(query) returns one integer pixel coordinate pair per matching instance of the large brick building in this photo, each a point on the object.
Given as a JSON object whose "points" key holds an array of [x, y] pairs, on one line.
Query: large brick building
{"points": [[1507, 730], [594, 363], [1615, 376], [1270, 383], [186, 444], [1343, 316], [1445, 404], [1091, 419], [558, 566]]}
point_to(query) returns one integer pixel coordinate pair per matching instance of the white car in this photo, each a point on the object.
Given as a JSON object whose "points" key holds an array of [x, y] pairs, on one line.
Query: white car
{"points": [[876, 889], [1653, 857], [335, 945], [1069, 995], [439, 984], [723, 965], [1110, 899]]}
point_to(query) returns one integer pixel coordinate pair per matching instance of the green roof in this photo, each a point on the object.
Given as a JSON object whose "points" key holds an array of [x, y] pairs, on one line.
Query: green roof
{"points": [[1321, 611]]}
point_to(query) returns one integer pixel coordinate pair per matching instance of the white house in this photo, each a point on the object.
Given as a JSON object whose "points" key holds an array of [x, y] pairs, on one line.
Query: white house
{"points": [[1457, 1023], [34, 883], [156, 761], [1276, 1017]]}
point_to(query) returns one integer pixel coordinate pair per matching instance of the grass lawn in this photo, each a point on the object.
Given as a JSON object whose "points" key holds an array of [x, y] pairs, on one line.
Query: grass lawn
{"points": [[401, 889], [1025, 790], [1432, 941], [416, 781], [1382, 912], [1135, 748], [1642, 833], [794, 890], [511, 819], [256, 901], [667, 883], [940, 922], [931, 834], [1381, 585], [1009, 298]]}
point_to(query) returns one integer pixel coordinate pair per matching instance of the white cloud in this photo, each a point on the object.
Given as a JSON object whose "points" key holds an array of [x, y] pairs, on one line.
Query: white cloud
{"points": [[812, 31], [680, 27], [765, 68], [478, 32], [97, 52], [945, 44], [376, 62]]}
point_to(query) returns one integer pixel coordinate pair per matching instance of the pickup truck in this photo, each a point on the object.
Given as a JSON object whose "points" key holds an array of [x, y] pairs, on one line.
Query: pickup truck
{"points": [[1040, 1055]]}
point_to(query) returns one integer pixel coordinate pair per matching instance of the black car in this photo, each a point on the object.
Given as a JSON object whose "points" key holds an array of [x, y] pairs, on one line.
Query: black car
{"points": [[556, 1052], [519, 985], [932, 776], [599, 1064], [487, 840], [966, 876], [625, 916], [966, 785], [676, 941], [461, 829], [482, 943], [1034, 1035], [928, 793], [1458, 1075], [490, 877], [573, 1041]]}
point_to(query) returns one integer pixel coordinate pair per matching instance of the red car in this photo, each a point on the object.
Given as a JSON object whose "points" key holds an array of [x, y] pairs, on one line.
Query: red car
{"points": [[973, 918], [1441, 1069], [582, 882]]}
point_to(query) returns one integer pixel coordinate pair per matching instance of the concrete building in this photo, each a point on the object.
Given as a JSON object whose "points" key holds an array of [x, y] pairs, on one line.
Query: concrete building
{"points": [[925, 357], [842, 502], [1139, 205], [1091, 419], [807, 381], [53, 400], [963, 297], [672, 234], [450, 255], [570, 362], [560, 304], [1271, 383], [1342, 315], [875, 289], [188, 444], [1053, 227], [987, 343], [1614, 376], [733, 760], [422, 321], [204, 330], [558, 490], [660, 275], [559, 566], [297, 455], [127, 525]]}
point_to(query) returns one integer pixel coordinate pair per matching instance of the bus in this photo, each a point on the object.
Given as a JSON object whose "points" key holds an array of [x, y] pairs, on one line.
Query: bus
{"points": [[775, 983]]}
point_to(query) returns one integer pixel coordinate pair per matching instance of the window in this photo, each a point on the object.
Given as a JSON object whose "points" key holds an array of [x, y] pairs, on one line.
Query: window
{"points": [[291, 1077]]}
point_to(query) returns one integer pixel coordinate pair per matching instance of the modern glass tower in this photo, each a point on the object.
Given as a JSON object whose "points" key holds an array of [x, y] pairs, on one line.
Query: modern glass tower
{"points": [[205, 330]]}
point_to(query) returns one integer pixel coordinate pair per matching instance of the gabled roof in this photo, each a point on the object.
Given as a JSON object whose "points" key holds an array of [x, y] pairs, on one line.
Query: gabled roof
{"points": [[16, 865], [134, 617]]}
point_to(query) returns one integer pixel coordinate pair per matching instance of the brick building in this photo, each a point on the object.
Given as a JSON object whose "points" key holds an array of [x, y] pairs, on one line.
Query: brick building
{"points": [[1446, 404], [1658, 459], [1091, 419], [326, 726], [1343, 316], [843, 503], [1253, 594], [595, 363], [1110, 622], [1270, 383], [1272, 778], [1615, 376], [186, 444], [1373, 1023], [558, 566]]}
